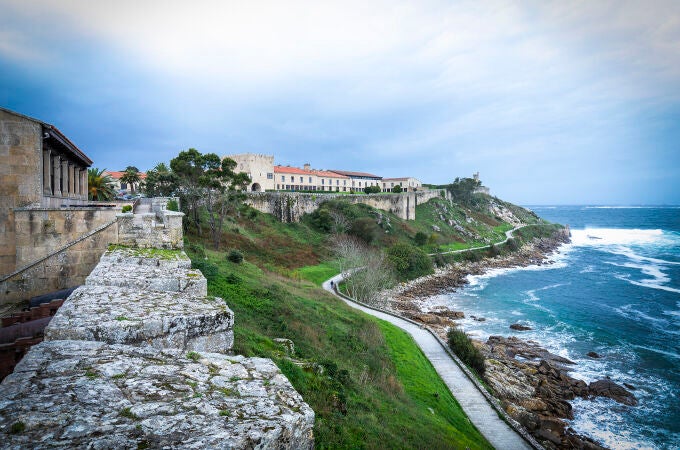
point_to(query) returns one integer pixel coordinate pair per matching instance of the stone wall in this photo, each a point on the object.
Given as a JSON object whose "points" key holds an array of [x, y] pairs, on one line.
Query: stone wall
{"points": [[290, 206], [40, 231], [148, 230], [129, 365], [20, 163], [63, 269]]}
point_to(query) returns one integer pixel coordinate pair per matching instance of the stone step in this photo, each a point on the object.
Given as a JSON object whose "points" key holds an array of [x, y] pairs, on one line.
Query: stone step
{"points": [[77, 394], [124, 315]]}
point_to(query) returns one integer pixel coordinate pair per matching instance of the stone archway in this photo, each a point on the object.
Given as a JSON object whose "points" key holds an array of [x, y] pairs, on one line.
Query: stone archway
{"points": [[256, 187]]}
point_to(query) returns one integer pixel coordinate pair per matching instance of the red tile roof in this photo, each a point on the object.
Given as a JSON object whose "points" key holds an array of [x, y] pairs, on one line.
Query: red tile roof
{"points": [[355, 174], [117, 175], [328, 174], [288, 169]]}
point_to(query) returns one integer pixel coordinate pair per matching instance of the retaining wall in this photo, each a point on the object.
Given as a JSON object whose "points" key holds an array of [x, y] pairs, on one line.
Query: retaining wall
{"points": [[290, 206]]}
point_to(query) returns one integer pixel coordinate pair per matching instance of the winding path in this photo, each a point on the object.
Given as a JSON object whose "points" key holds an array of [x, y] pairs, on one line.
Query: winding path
{"points": [[508, 236], [473, 402]]}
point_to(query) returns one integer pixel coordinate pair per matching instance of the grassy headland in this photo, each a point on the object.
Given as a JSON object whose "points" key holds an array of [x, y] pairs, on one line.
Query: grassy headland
{"points": [[368, 383]]}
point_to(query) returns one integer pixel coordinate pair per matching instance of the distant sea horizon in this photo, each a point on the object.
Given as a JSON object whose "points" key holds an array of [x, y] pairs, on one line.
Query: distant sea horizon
{"points": [[614, 290]]}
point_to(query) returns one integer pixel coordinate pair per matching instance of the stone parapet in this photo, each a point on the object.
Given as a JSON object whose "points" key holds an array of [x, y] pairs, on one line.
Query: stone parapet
{"points": [[151, 231], [158, 319], [148, 273], [84, 394]]}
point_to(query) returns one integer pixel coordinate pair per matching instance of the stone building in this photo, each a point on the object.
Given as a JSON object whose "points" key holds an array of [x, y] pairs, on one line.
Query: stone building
{"points": [[39, 168], [360, 180], [307, 179], [122, 187], [260, 169], [408, 184]]}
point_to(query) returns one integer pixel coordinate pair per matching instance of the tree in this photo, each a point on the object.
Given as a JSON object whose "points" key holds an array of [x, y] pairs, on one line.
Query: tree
{"points": [[463, 189], [99, 186], [397, 189], [206, 181], [408, 261], [131, 176], [366, 270], [161, 182], [372, 190]]}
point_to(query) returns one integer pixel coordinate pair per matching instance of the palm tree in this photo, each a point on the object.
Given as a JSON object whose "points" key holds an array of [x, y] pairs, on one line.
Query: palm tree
{"points": [[131, 176], [99, 186]]}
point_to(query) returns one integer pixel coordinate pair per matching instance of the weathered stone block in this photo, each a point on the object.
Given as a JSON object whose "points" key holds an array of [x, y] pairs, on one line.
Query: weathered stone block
{"points": [[144, 271], [77, 394], [158, 319]]}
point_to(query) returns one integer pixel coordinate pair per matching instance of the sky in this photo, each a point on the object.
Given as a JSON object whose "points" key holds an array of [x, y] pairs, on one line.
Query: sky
{"points": [[553, 102]]}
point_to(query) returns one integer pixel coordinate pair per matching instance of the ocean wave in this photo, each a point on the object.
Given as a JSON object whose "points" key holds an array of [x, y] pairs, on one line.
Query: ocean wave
{"points": [[615, 236], [632, 207]]}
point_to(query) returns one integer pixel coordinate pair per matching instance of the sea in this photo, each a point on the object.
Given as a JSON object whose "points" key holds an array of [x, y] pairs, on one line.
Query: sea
{"points": [[614, 290]]}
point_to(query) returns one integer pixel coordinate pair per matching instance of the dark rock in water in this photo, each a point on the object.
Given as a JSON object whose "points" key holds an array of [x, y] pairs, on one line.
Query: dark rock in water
{"points": [[594, 355], [607, 388], [479, 319], [630, 386], [520, 327]]}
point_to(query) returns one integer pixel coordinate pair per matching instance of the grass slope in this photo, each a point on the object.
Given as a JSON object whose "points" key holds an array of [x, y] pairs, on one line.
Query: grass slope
{"points": [[368, 383]]}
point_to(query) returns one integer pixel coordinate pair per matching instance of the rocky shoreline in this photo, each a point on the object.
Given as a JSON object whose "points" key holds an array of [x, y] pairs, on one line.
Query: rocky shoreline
{"points": [[532, 384]]}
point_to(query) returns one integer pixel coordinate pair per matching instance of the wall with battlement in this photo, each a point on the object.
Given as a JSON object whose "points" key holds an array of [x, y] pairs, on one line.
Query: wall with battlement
{"points": [[290, 206]]}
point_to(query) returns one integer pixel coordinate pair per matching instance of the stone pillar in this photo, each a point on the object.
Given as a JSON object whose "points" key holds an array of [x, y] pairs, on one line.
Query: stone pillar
{"points": [[47, 180], [83, 183], [76, 181], [56, 168], [64, 178], [71, 180]]}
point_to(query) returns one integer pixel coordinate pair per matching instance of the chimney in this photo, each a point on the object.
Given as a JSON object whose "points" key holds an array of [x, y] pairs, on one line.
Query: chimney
{"points": [[307, 167]]}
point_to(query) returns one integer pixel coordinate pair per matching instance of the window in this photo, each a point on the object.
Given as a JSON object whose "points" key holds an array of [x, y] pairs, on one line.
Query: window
{"points": [[337, 182], [323, 181], [278, 187], [310, 179], [344, 182], [270, 176], [123, 186], [359, 183], [283, 178]]}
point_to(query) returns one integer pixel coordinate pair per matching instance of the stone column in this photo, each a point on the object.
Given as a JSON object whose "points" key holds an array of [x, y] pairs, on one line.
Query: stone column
{"points": [[64, 178], [56, 168], [83, 183], [47, 180], [76, 181]]}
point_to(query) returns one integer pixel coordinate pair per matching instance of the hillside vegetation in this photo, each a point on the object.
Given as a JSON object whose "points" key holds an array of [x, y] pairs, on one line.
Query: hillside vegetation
{"points": [[368, 383]]}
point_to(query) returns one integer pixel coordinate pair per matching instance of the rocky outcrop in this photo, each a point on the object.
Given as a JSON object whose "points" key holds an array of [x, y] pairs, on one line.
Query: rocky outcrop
{"points": [[88, 394]]}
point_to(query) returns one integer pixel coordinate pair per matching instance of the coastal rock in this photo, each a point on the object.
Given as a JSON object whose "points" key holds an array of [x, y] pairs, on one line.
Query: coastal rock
{"points": [[478, 319], [446, 312], [520, 327], [607, 388], [594, 355]]}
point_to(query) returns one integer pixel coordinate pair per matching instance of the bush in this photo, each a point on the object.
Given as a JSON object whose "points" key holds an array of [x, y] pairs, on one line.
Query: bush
{"points": [[365, 229], [512, 244], [127, 208], [372, 190], [420, 238], [462, 346], [209, 270], [172, 205], [397, 189], [235, 256], [198, 249], [409, 262]]}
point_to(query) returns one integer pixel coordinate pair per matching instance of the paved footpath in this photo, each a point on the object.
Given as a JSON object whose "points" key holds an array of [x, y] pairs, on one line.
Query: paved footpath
{"points": [[477, 408]]}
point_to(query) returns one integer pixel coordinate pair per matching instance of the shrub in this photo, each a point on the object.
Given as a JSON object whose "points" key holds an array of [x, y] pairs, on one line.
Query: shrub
{"points": [[198, 249], [397, 189], [235, 256], [372, 190], [209, 270], [365, 229], [462, 346], [127, 208], [512, 244], [420, 238], [408, 261], [172, 205]]}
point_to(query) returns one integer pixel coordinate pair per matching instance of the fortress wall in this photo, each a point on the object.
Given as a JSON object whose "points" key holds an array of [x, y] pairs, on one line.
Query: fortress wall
{"points": [[290, 206]]}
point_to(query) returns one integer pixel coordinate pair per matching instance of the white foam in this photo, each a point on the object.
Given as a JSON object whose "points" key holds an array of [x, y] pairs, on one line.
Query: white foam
{"points": [[614, 236]]}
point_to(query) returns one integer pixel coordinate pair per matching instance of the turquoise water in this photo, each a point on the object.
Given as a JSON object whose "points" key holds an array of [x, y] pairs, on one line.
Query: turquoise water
{"points": [[614, 290]]}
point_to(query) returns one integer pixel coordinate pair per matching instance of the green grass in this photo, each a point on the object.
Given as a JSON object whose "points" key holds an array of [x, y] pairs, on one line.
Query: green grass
{"points": [[317, 274], [368, 383]]}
